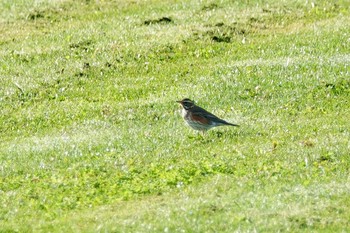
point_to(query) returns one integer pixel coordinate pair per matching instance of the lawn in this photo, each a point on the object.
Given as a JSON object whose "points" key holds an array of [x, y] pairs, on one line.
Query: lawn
{"points": [[92, 138]]}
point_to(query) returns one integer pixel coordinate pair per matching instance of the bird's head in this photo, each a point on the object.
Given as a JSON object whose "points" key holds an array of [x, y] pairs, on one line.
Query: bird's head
{"points": [[186, 103]]}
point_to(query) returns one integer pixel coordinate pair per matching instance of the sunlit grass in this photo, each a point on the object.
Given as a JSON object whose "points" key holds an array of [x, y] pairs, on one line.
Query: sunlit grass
{"points": [[90, 129]]}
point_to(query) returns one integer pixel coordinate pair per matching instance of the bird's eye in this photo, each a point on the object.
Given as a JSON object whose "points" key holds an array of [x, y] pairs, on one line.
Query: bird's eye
{"points": [[188, 104]]}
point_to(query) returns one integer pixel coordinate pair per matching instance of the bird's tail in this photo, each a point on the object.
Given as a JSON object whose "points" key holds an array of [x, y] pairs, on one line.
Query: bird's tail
{"points": [[231, 124], [223, 122]]}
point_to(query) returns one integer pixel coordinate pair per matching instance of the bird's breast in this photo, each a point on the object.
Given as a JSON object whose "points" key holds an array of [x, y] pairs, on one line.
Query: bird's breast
{"points": [[184, 113]]}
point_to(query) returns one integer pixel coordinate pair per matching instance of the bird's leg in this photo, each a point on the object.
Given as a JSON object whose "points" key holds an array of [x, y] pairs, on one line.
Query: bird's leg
{"points": [[200, 134], [203, 133]]}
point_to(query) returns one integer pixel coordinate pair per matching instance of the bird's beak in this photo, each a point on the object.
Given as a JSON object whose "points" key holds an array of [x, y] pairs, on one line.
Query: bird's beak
{"points": [[178, 101]]}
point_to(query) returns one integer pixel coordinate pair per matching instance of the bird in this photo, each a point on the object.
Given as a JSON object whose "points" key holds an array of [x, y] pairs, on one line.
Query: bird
{"points": [[199, 118]]}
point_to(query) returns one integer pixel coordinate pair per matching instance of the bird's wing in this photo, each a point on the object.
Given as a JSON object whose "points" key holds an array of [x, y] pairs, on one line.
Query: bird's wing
{"points": [[202, 114]]}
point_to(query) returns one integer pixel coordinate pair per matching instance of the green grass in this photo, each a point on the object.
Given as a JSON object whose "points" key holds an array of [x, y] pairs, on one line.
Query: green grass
{"points": [[91, 135]]}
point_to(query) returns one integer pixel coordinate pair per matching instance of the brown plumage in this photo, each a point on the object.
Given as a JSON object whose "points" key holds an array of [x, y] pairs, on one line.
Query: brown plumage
{"points": [[198, 118]]}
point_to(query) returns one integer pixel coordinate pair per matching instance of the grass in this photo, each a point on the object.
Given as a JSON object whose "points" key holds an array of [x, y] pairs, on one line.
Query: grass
{"points": [[91, 135]]}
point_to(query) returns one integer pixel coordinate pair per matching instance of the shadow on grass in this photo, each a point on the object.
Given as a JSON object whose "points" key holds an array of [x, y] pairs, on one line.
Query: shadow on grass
{"points": [[215, 136]]}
